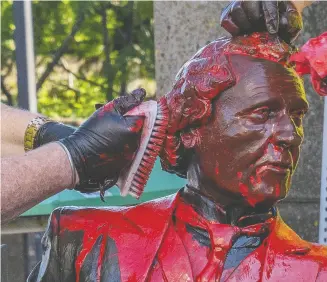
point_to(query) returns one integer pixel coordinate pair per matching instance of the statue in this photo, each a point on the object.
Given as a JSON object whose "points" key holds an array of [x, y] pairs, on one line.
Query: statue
{"points": [[235, 132]]}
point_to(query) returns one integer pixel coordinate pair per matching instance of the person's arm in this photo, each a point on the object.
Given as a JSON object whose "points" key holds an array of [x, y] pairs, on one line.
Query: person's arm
{"points": [[28, 179], [98, 151], [13, 126], [14, 123]]}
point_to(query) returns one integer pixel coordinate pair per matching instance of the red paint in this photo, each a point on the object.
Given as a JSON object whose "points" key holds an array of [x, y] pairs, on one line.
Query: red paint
{"points": [[217, 169], [150, 246], [137, 126], [251, 198], [277, 190], [140, 238], [244, 189], [312, 59], [109, 107], [260, 45]]}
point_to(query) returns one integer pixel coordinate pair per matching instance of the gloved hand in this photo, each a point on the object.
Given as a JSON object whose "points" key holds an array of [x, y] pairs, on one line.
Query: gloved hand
{"points": [[52, 131], [312, 59], [277, 17], [103, 145]]}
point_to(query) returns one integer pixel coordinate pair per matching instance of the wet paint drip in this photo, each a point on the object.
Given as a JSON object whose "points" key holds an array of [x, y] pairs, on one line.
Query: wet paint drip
{"points": [[139, 238]]}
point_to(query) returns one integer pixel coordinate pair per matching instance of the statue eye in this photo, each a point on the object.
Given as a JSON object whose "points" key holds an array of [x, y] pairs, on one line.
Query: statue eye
{"points": [[260, 114]]}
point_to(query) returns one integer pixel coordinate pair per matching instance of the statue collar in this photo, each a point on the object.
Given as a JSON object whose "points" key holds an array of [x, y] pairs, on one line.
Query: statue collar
{"points": [[233, 215]]}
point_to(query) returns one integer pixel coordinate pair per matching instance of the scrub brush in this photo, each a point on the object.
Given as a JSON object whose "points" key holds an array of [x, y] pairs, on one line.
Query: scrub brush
{"points": [[133, 179]]}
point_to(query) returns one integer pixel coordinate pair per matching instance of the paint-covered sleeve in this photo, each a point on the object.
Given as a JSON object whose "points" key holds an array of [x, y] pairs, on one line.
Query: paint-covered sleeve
{"points": [[60, 247], [48, 268]]}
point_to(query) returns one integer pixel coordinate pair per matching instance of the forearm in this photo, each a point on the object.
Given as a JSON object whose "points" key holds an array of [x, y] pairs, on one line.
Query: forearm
{"points": [[13, 126], [29, 179]]}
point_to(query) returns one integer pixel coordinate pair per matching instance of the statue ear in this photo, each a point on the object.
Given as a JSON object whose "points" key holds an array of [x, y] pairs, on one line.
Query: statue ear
{"points": [[191, 138]]}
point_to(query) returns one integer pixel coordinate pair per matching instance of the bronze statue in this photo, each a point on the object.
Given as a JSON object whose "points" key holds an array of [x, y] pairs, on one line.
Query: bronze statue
{"points": [[235, 132]]}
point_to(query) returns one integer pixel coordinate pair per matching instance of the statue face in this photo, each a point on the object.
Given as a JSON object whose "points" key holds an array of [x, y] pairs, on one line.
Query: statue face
{"points": [[250, 148]]}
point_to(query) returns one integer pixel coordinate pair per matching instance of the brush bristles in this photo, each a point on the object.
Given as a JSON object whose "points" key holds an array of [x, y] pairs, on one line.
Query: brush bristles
{"points": [[152, 151]]}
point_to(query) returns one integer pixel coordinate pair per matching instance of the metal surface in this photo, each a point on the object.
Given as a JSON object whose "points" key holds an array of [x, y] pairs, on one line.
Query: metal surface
{"points": [[25, 55], [323, 193]]}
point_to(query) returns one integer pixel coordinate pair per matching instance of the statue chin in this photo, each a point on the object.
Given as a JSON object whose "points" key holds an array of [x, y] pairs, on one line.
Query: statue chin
{"points": [[267, 192]]}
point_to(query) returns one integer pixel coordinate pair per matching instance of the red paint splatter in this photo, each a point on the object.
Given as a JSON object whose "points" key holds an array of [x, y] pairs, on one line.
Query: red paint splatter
{"points": [[244, 189], [138, 237], [312, 59], [109, 107], [137, 126], [217, 169], [277, 190], [252, 200]]}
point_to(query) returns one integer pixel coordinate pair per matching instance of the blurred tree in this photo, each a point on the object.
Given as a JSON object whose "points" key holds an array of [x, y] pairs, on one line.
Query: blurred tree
{"points": [[86, 52]]}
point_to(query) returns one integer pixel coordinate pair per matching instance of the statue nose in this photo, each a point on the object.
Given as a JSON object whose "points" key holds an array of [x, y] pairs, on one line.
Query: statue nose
{"points": [[287, 134]]}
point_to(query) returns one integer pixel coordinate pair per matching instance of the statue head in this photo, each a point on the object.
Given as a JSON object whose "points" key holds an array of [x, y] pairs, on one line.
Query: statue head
{"points": [[236, 112]]}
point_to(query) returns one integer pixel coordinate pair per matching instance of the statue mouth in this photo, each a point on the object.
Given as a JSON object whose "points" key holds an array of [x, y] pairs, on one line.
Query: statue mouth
{"points": [[277, 167]]}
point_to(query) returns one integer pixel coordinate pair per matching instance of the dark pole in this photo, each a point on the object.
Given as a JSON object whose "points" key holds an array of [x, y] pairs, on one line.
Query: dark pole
{"points": [[25, 55]]}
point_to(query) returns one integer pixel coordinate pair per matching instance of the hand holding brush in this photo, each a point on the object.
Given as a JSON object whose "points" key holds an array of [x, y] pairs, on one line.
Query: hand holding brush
{"points": [[103, 145]]}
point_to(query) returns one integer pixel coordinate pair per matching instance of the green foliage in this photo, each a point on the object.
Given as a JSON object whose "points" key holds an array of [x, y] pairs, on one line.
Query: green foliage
{"points": [[113, 47]]}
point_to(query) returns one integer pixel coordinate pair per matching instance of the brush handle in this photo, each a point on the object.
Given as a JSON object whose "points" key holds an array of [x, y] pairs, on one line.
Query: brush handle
{"points": [[149, 111], [144, 109]]}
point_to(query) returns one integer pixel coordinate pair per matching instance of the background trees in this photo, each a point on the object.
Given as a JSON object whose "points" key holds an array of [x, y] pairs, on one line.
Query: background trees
{"points": [[86, 52]]}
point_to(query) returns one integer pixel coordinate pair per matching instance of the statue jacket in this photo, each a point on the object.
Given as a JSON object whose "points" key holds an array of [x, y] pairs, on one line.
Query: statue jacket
{"points": [[126, 243]]}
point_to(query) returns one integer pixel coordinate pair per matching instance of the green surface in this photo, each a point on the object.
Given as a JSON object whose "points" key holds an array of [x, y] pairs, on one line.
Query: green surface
{"points": [[160, 184]]}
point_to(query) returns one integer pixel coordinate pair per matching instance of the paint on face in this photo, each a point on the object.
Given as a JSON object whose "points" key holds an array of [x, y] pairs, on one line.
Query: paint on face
{"points": [[254, 134]]}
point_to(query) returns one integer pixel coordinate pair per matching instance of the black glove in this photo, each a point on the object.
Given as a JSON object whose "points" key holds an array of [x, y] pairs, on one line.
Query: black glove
{"points": [[105, 143], [52, 131], [277, 17]]}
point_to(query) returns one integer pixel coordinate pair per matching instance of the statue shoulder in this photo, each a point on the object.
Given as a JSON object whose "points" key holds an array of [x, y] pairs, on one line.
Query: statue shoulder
{"points": [[292, 244], [319, 253], [78, 218]]}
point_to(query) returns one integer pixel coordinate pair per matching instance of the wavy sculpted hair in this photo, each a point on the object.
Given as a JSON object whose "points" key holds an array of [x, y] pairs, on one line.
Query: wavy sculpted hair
{"points": [[207, 74]]}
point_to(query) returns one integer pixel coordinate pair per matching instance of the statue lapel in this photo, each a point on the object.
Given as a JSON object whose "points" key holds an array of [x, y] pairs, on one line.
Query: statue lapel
{"points": [[174, 259], [137, 248]]}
